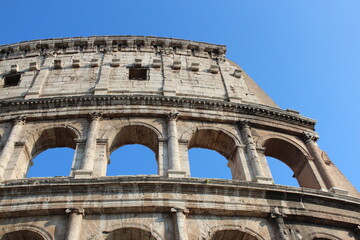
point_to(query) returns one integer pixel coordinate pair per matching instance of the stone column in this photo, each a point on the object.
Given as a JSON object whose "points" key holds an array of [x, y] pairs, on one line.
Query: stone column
{"points": [[251, 152], [74, 223], [239, 166], [90, 147], [8, 149], [279, 224], [310, 141], [173, 147], [357, 231], [179, 218]]}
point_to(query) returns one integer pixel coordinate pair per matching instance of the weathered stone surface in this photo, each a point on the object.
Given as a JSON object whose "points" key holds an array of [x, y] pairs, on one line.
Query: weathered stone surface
{"points": [[77, 93]]}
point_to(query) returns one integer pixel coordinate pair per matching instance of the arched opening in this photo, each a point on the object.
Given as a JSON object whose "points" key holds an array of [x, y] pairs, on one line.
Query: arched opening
{"points": [[232, 235], [130, 234], [52, 162], [134, 150], [23, 235], [281, 173], [134, 159], [214, 161], [52, 152], [211, 147], [294, 158]]}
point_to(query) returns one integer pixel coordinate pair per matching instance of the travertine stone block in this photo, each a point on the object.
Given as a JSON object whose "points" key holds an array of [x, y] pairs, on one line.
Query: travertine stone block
{"points": [[14, 68], [176, 65], [195, 67], [33, 66], [76, 63], [115, 62], [237, 73], [57, 64], [94, 62], [156, 63]]}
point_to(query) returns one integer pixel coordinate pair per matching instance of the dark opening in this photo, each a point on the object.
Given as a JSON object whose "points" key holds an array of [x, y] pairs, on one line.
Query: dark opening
{"points": [[12, 80], [138, 73], [22, 234]]}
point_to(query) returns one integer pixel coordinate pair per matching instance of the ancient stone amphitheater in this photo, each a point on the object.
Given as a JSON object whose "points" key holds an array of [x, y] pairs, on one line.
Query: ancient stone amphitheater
{"points": [[97, 94]]}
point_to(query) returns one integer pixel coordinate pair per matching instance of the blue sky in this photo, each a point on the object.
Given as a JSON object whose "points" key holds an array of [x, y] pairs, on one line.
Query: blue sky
{"points": [[304, 54]]}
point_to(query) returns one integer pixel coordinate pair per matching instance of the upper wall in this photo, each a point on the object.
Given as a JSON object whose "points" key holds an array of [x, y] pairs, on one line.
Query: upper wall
{"points": [[105, 65]]}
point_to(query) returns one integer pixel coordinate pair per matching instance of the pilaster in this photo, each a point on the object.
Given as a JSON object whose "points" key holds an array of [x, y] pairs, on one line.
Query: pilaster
{"points": [[277, 219], [90, 147], [179, 218], [175, 169], [251, 151], [75, 223], [310, 139], [9, 147]]}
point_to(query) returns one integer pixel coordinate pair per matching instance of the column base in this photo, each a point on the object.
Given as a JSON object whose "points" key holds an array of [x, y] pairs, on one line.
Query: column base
{"points": [[338, 191], [82, 174], [176, 173], [263, 179]]}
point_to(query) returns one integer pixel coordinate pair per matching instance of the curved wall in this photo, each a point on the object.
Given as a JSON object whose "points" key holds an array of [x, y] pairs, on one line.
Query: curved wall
{"points": [[99, 93]]}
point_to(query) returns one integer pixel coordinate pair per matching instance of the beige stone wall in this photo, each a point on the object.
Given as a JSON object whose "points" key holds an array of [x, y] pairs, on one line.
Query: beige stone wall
{"points": [[77, 93]]}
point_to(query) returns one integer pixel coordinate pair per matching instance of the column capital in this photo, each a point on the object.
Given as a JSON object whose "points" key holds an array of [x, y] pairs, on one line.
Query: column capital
{"points": [[79, 211], [20, 120], [179, 210], [310, 136], [95, 116], [276, 213], [172, 116], [244, 123]]}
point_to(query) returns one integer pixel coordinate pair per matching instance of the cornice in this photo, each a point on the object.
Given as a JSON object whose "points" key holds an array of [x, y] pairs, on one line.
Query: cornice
{"points": [[8, 106], [60, 189], [111, 43]]}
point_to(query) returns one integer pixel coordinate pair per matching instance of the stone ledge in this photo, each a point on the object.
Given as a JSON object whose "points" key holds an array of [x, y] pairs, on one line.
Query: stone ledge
{"points": [[111, 43], [123, 194], [235, 185], [7, 106]]}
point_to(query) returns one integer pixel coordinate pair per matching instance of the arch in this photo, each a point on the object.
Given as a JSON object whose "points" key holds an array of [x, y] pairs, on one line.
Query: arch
{"points": [[25, 232], [321, 236], [261, 141], [154, 235], [233, 232], [22, 234], [216, 139], [136, 133], [111, 132], [57, 136], [190, 132], [293, 155], [40, 139]]}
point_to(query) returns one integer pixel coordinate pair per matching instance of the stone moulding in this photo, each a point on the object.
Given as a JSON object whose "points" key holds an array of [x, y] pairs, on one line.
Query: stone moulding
{"points": [[243, 195], [111, 43], [175, 102]]}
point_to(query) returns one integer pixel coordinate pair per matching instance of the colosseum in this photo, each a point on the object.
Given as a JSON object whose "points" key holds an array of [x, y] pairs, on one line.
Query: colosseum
{"points": [[97, 94]]}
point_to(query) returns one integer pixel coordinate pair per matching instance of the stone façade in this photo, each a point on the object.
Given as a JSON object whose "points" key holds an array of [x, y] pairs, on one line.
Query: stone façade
{"points": [[77, 92]]}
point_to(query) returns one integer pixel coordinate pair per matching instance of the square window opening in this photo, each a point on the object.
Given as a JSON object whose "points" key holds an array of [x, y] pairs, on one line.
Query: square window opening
{"points": [[138, 73], [12, 80]]}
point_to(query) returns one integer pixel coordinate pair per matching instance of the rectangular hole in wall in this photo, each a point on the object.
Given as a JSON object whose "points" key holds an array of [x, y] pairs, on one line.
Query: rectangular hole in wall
{"points": [[138, 73], [12, 80]]}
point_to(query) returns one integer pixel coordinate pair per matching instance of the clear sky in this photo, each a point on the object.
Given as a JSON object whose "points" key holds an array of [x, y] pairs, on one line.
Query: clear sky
{"points": [[305, 54]]}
